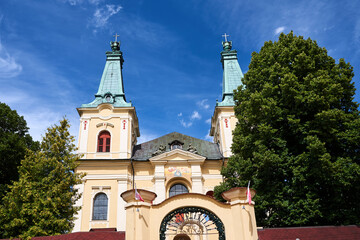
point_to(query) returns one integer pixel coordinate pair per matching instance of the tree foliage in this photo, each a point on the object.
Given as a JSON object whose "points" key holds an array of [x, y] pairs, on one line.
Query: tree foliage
{"points": [[42, 201], [14, 140], [298, 136]]}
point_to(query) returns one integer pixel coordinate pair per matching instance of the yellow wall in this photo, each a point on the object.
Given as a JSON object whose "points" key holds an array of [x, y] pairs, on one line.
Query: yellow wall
{"points": [[109, 187], [237, 216]]}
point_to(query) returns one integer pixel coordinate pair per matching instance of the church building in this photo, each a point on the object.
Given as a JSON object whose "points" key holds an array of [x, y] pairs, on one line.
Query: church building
{"points": [[163, 188]]}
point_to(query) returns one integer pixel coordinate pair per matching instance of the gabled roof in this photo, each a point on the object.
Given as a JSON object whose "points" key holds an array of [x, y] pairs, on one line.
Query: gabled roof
{"points": [[311, 233], [144, 151]]}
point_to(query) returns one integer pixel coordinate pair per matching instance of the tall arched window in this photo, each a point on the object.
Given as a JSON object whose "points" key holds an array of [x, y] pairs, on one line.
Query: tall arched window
{"points": [[177, 189], [100, 207], [104, 141]]}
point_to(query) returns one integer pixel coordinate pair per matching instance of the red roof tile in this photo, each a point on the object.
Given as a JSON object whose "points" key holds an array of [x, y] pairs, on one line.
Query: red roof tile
{"points": [[98, 235], [301, 233], [310, 233]]}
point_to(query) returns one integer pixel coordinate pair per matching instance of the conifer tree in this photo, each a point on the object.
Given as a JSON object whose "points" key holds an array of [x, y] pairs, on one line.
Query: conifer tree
{"points": [[42, 201], [297, 137]]}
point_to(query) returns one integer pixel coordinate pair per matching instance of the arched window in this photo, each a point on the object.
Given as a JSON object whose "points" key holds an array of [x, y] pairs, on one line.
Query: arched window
{"points": [[177, 189], [104, 141], [100, 207], [176, 145]]}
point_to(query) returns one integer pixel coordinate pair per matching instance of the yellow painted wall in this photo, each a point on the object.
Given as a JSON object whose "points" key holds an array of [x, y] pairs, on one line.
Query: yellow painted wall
{"points": [[90, 189]]}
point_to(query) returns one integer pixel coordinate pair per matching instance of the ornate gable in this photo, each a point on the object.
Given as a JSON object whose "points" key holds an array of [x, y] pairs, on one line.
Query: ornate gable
{"points": [[177, 155]]}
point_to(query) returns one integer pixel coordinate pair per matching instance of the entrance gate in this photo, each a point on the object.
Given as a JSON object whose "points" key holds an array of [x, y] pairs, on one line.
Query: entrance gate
{"points": [[191, 221]]}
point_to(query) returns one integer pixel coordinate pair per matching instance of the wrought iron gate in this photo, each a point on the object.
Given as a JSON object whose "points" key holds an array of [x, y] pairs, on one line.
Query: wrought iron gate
{"points": [[191, 221]]}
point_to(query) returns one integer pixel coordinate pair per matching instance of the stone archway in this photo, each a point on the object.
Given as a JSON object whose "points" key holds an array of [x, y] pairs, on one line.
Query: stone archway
{"points": [[191, 221]]}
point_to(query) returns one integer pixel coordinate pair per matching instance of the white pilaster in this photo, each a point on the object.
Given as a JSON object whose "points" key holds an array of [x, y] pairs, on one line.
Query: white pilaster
{"points": [[124, 135], [159, 178], [121, 212], [225, 123], [79, 203], [84, 132], [196, 177]]}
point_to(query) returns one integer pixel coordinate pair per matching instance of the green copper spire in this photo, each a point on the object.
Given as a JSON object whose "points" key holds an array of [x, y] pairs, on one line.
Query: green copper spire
{"points": [[111, 89], [232, 73]]}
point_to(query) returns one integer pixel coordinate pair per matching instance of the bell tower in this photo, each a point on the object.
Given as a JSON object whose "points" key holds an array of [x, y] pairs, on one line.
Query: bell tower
{"points": [[109, 129], [109, 125], [223, 121]]}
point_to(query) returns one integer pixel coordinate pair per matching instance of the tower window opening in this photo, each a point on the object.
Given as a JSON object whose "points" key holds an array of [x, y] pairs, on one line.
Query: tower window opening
{"points": [[177, 189], [176, 145], [100, 208], [104, 141]]}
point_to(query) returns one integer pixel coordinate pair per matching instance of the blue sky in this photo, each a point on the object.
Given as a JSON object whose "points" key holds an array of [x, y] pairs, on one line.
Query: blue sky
{"points": [[52, 53]]}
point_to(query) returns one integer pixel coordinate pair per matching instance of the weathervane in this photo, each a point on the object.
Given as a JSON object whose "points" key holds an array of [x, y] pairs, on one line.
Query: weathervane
{"points": [[225, 35], [116, 35]]}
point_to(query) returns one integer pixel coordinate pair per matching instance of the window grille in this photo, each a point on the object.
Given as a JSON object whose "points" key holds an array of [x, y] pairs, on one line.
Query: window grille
{"points": [[177, 189], [100, 207]]}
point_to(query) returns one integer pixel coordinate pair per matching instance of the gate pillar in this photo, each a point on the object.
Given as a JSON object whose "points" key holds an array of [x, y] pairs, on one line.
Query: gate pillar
{"points": [[137, 214], [243, 213]]}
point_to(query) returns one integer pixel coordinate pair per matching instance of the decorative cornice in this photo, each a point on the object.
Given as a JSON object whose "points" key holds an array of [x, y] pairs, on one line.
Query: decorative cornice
{"points": [[120, 177], [188, 157]]}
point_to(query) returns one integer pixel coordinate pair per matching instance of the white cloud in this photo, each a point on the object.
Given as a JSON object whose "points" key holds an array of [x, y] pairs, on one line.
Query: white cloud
{"points": [[203, 104], [74, 2], [195, 115], [95, 2], [208, 137], [185, 124], [79, 2], [39, 120], [208, 121], [357, 32], [279, 30], [145, 136], [8, 66], [102, 15]]}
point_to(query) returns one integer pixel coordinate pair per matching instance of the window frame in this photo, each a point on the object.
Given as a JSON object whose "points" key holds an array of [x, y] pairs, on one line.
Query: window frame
{"points": [[93, 207], [178, 184], [103, 142]]}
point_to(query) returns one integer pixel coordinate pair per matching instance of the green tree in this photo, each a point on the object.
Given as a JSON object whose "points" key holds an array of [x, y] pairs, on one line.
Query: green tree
{"points": [[14, 140], [298, 136], [42, 201]]}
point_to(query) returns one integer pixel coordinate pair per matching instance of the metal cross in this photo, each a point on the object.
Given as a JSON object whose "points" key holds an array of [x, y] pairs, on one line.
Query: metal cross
{"points": [[116, 35], [225, 35]]}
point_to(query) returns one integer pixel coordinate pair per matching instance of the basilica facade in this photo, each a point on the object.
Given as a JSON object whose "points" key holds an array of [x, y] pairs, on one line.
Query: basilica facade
{"points": [[174, 175]]}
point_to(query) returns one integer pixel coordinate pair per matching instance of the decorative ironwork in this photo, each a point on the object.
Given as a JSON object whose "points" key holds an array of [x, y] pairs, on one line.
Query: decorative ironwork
{"points": [[191, 221]]}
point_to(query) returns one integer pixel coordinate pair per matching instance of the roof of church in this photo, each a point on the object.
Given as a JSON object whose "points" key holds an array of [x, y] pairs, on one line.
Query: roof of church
{"points": [[232, 74], [293, 233], [146, 150], [111, 88], [98, 235], [309, 233]]}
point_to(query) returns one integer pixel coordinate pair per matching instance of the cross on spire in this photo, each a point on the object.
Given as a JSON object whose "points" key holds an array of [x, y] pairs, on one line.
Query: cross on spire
{"points": [[225, 35], [116, 35]]}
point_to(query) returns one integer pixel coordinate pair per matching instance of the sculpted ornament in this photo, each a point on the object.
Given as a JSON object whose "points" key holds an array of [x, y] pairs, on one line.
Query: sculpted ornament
{"points": [[192, 149], [161, 150]]}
